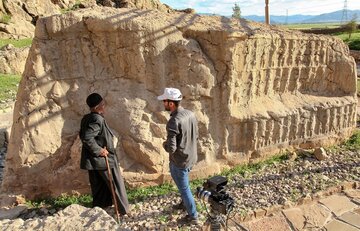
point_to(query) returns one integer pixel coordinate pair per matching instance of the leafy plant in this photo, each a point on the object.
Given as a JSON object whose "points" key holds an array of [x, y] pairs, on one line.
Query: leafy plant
{"points": [[163, 218]]}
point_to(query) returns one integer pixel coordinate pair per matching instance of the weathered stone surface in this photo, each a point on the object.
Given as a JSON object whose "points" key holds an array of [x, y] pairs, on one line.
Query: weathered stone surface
{"points": [[277, 223], [73, 217], [24, 13], [315, 216], [12, 59], [338, 204], [254, 89], [23, 16], [336, 225], [355, 194], [12, 212], [296, 217], [8, 200], [139, 4], [351, 218]]}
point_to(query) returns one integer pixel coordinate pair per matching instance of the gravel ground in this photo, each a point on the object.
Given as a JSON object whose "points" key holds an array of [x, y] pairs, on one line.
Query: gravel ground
{"points": [[298, 177]]}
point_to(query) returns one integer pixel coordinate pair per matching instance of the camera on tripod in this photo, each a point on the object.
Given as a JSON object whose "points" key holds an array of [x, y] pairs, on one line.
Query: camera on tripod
{"points": [[214, 193]]}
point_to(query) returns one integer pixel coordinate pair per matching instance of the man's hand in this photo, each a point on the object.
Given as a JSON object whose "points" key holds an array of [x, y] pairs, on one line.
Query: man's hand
{"points": [[104, 152]]}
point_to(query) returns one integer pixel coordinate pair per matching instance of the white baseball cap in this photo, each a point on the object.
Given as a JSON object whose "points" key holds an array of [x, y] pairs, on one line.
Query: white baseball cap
{"points": [[173, 94]]}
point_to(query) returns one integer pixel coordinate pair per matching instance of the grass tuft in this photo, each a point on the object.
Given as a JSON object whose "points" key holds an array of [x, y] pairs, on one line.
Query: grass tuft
{"points": [[74, 7], [8, 86], [62, 201], [5, 18], [16, 42], [353, 143], [140, 194]]}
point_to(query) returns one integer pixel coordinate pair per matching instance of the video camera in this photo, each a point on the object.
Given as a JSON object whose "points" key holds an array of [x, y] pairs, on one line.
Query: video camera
{"points": [[214, 193]]}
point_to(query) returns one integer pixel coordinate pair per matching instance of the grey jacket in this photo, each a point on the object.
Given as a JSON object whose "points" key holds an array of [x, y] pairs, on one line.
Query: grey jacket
{"points": [[182, 134], [95, 135]]}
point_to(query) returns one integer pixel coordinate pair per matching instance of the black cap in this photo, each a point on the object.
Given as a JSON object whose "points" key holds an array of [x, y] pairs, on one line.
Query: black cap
{"points": [[93, 100]]}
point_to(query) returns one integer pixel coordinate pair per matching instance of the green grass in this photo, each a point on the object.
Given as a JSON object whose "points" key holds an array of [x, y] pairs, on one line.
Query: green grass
{"points": [[353, 143], [310, 25], [5, 18], [16, 42], [62, 201], [139, 194], [249, 169], [353, 42], [8, 86]]}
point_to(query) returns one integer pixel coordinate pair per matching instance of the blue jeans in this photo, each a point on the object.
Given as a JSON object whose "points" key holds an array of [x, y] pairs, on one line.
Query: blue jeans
{"points": [[181, 178]]}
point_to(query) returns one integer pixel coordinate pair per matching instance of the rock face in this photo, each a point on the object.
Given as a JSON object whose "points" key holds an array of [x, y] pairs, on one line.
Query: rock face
{"points": [[12, 59], [24, 13], [138, 4], [254, 89]]}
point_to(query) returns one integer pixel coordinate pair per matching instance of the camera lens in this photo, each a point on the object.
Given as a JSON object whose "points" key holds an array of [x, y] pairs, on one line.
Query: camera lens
{"points": [[203, 194]]}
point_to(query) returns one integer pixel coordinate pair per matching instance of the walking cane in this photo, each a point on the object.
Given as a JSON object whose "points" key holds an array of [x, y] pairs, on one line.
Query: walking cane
{"points": [[112, 190]]}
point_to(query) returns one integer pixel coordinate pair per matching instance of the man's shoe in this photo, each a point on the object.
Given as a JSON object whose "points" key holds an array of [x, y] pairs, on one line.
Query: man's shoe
{"points": [[188, 220], [179, 206]]}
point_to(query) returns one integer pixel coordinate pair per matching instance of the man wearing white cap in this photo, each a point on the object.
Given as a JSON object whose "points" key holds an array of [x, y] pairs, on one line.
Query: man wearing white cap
{"points": [[181, 144]]}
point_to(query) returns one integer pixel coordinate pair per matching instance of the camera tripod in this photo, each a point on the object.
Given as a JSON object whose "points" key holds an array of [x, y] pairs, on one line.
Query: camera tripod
{"points": [[216, 221]]}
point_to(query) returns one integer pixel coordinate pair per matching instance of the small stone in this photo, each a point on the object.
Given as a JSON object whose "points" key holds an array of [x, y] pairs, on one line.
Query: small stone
{"points": [[259, 213], [320, 154]]}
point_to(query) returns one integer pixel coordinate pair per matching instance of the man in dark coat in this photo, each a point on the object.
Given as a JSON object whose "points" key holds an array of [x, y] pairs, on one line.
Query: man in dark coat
{"points": [[97, 140]]}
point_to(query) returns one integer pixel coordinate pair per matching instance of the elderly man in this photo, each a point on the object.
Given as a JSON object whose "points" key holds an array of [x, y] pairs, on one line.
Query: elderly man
{"points": [[97, 140], [181, 144]]}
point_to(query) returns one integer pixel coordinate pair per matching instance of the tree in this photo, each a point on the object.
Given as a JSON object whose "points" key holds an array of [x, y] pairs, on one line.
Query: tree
{"points": [[236, 11], [352, 25]]}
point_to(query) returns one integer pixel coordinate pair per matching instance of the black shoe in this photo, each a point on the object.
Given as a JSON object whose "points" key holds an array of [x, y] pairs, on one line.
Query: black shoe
{"points": [[188, 220], [179, 206]]}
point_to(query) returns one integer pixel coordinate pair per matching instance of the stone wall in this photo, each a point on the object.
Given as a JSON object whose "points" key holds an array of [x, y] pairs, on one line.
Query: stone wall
{"points": [[255, 90]]}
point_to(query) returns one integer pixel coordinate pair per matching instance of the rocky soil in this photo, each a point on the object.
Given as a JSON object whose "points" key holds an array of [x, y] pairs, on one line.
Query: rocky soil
{"points": [[299, 178]]}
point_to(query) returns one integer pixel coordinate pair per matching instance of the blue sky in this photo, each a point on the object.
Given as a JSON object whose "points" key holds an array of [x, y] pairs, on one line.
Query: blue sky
{"points": [[256, 7]]}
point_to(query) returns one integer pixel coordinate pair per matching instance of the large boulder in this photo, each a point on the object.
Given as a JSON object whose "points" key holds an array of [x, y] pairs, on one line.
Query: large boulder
{"points": [[255, 90]]}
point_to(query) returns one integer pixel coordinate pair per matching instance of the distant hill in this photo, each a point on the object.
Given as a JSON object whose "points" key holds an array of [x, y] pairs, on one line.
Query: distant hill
{"points": [[335, 16]]}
